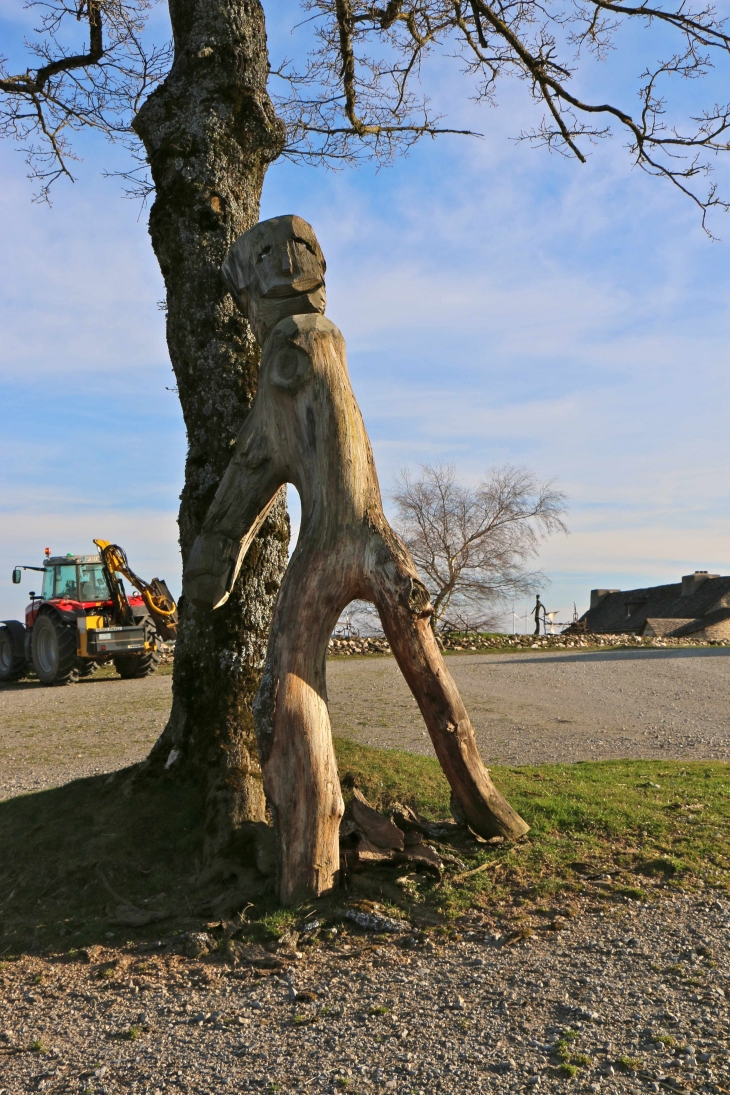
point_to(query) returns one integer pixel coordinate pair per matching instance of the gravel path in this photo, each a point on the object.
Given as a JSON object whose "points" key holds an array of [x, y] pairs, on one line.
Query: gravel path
{"points": [[641, 993], [553, 707], [526, 708], [50, 736]]}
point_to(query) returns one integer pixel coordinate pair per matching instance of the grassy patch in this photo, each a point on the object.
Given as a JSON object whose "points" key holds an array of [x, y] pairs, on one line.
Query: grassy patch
{"points": [[589, 820], [622, 828]]}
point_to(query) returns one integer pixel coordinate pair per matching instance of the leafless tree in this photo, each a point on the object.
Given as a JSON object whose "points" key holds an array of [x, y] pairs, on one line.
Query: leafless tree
{"points": [[472, 545], [65, 89], [360, 90]]}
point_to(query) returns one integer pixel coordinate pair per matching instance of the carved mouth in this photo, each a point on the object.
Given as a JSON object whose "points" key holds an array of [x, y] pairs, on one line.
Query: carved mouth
{"points": [[285, 292]]}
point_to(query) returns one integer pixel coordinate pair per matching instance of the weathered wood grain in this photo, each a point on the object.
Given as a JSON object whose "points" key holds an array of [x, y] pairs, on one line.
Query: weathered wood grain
{"points": [[305, 428]]}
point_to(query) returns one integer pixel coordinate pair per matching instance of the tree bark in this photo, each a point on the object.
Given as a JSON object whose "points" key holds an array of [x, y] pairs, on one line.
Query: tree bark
{"points": [[210, 132]]}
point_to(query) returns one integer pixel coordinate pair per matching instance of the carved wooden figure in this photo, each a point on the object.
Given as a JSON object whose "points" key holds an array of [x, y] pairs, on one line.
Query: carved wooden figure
{"points": [[305, 428]]}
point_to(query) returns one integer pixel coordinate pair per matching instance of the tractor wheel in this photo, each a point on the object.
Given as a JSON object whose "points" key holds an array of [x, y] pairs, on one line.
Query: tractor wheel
{"points": [[54, 651], [132, 667], [13, 665], [87, 669]]}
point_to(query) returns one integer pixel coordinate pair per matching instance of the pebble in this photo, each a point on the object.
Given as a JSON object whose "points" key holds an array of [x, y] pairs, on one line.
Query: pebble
{"points": [[372, 1015]]}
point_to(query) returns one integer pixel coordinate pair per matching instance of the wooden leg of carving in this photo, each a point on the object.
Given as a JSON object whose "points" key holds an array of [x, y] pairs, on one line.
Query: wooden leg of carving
{"points": [[416, 651], [295, 742]]}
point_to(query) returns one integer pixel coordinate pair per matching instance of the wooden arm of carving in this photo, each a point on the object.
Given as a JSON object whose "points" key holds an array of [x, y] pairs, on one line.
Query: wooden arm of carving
{"points": [[245, 495]]}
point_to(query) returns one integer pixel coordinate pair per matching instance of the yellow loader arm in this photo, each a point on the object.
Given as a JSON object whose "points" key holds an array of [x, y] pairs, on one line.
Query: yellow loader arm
{"points": [[155, 594]]}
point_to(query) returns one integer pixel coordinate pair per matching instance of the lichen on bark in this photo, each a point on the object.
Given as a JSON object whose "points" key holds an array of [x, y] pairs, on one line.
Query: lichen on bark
{"points": [[210, 132]]}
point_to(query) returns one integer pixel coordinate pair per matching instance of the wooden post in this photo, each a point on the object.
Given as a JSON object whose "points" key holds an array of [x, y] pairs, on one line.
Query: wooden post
{"points": [[305, 428]]}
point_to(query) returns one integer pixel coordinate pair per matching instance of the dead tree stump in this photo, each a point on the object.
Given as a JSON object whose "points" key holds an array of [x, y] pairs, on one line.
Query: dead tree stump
{"points": [[305, 428]]}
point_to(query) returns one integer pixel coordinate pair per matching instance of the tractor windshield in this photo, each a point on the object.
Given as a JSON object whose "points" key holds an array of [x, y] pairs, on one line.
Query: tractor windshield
{"points": [[48, 576], [92, 583], [65, 584], [85, 582]]}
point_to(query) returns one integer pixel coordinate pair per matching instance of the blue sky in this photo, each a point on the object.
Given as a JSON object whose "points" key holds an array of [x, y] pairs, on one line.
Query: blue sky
{"points": [[499, 304]]}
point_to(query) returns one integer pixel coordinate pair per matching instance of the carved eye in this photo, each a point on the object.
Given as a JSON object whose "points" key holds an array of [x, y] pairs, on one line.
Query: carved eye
{"points": [[304, 243], [263, 254], [292, 368]]}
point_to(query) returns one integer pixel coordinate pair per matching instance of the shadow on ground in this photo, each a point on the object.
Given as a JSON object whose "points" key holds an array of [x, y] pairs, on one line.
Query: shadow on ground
{"points": [[74, 856], [670, 654]]}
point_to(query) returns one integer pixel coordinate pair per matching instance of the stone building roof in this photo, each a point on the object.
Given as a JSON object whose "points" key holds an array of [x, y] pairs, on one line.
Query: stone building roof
{"points": [[699, 601]]}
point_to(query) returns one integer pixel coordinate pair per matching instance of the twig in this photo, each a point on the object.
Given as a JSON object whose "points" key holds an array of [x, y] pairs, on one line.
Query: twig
{"points": [[484, 867]]}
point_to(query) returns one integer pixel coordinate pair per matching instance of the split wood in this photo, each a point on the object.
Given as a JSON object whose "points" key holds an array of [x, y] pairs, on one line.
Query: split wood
{"points": [[305, 428]]}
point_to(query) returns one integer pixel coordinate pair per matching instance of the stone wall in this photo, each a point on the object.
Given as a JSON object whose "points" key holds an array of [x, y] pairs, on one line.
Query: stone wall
{"points": [[474, 643]]}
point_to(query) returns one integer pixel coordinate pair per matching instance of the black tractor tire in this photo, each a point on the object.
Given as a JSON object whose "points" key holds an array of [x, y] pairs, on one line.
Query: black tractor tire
{"points": [[54, 651], [13, 666], [87, 668], [133, 667]]}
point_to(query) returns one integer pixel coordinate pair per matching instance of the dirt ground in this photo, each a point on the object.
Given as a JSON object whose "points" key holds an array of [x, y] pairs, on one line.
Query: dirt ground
{"points": [[621, 1001], [527, 708]]}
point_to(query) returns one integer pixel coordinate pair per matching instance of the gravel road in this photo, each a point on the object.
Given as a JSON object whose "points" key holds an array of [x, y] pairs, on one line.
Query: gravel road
{"points": [[553, 707], [631, 999], [526, 708]]}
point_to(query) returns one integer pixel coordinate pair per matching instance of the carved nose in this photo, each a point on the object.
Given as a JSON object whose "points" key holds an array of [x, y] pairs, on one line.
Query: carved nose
{"points": [[287, 264]]}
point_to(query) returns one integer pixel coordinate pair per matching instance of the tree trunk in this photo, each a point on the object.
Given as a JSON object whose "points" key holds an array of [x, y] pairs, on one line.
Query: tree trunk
{"points": [[210, 132]]}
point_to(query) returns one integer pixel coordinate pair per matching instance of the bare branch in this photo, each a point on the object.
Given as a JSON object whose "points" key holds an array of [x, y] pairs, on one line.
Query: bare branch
{"points": [[68, 89], [358, 94]]}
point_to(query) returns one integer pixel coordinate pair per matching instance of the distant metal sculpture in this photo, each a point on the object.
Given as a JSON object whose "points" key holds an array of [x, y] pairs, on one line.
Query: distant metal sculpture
{"points": [[539, 608], [305, 428]]}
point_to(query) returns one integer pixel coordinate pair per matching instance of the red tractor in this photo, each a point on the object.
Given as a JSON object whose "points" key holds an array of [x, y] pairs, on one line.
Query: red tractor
{"points": [[84, 618]]}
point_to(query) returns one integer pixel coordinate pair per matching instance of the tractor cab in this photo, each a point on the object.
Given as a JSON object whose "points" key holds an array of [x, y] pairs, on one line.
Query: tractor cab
{"points": [[75, 578]]}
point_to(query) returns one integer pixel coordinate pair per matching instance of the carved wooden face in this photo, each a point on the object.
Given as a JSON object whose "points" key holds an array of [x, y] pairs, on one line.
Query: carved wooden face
{"points": [[276, 259], [286, 259], [274, 270]]}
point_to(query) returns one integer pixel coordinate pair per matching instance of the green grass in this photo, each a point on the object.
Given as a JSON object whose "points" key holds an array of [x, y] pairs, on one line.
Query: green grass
{"points": [[586, 819], [65, 848]]}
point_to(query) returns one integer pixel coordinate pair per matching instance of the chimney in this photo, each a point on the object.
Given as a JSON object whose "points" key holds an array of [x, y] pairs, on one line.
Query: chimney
{"points": [[597, 595], [692, 582]]}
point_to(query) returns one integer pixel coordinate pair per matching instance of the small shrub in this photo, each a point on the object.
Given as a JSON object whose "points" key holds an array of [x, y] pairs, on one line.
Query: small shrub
{"points": [[630, 1064], [568, 1070], [38, 1047]]}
